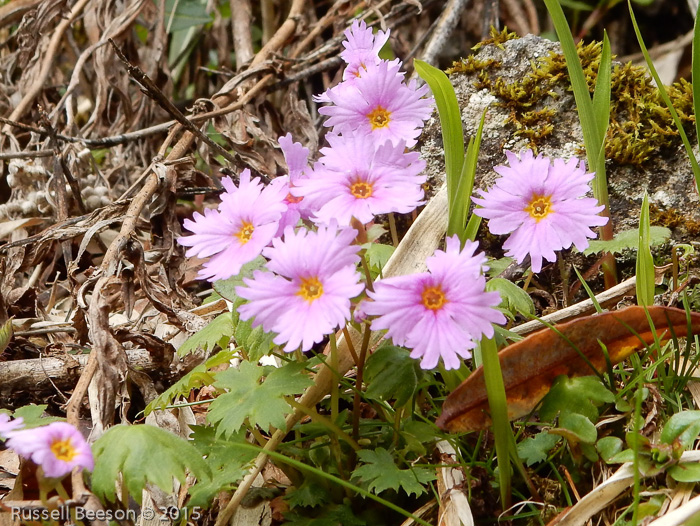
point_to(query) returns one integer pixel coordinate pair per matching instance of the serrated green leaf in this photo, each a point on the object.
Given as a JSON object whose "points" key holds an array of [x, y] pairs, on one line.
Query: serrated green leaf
{"points": [[378, 255], [608, 447], [226, 288], [6, 334], [209, 336], [32, 415], [143, 454], [196, 378], [627, 239], [255, 342], [418, 435], [390, 372], [579, 395], [685, 472], [580, 428], [380, 471], [536, 448], [683, 427], [333, 515], [247, 398], [513, 298], [310, 494]]}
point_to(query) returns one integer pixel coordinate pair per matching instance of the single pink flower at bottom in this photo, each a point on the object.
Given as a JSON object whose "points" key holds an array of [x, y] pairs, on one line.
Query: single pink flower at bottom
{"points": [[57, 448], [8, 427], [307, 294], [438, 314], [542, 205]]}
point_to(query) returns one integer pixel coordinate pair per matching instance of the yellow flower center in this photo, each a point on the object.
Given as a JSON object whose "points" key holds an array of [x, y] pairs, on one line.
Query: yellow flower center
{"points": [[540, 207], [379, 117], [311, 289], [246, 232], [433, 298], [63, 450], [361, 189]]}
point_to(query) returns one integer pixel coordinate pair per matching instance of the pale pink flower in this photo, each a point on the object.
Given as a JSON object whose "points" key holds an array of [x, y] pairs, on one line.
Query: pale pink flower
{"points": [[307, 294], [355, 178], [361, 48], [438, 314], [296, 157], [245, 222], [57, 448], [380, 104], [8, 427], [542, 205]]}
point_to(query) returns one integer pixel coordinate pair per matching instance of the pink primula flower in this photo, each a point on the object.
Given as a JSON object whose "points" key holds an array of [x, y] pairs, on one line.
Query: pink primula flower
{"points": [[380, 104], [296, 157], [542, 205], [307, 294], [245, 222], [440, 313], [361, 48], [8, 427], [355, 178], [57, 448]]}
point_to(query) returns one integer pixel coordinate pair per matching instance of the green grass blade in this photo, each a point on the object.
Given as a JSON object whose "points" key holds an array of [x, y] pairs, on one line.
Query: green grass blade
{"points": [[645, 262], [695, 72], [450, 122], [601, 95], [667, 99]]}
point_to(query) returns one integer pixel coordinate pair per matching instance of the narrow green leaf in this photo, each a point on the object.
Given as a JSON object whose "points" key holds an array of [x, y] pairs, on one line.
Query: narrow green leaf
{"points": [[601, 94], [450, 122], [695, 72], [6, 335], [646, 280], [667, 99]]}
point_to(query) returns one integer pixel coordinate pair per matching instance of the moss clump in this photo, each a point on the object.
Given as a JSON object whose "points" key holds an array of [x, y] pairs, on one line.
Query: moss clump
{"points": [[673, 218], [640, 123], [497, 38]]}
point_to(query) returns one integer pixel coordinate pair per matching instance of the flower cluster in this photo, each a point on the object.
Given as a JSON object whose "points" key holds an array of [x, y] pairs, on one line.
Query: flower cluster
{"points": [[542, 205], [57, 448], [310, 281]]}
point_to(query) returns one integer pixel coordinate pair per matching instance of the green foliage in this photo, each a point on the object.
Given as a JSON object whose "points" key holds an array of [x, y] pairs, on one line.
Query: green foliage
{"points": [[143, 455], [334, 515], [196, 378], [227, 464], [513, 298], [576, 428], [33, 416], [219, 328], [582, 395], [627, 239], [382, 473], [391, 373], [262, 403], [5, 335], [377, 256], [681, 430], [310, 494], [536, 448], [646, 277], [226, 288], [608, 447]]}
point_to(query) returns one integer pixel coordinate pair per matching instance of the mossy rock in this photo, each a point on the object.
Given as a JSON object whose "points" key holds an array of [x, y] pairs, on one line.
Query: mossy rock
{"points": [[525, 85]]}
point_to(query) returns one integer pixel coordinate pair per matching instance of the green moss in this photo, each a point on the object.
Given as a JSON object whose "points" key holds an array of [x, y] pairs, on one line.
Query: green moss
{"points": [[640, 123], [673, 218], [497, 38]]}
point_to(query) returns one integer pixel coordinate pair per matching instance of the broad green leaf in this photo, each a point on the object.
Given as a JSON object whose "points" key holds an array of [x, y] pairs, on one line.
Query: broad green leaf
{"points": [[627, 239], [418, 436], [183, 14], [255, 342], [143, 455], [513, 298], [382, 473], [227, 287], [33, 416], [683, 427], [5, 335], [450, 123], [646, 278], [576, 427], [220, 327], [262, 403], [685, 472], [497, 266], [536, 448], [391, 373], [196, 378], [378, 255], [608, 447], [580, 395]]}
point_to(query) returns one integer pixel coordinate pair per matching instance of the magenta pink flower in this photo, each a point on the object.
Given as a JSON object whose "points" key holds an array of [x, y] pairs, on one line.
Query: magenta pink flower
{"points": [[245, 222], [380, 104], [307, 294], [8, 427], [354, 178], [57, 448], [297, 165], [361, 48], [542, 205], [439, 313]]}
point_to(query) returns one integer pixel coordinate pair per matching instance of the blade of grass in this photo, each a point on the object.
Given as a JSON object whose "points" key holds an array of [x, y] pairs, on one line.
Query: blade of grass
{"points": [[667, 99], [695, 71], [646, 280]]}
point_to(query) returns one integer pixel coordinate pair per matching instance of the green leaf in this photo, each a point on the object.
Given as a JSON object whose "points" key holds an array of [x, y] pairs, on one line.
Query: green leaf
{"points": [[608, 447], [185, 14], [457, 220], [646, 277], [417, 436], [196, 378], [695, 71], [255, 342], [380, 471], [33, 416], [262, 403], [333, 515], [227, 287], [536, 448], [497, 266], [579, 395], [310, 494], [513, 298], [390, 372], [220, 327], [6, 334], [686, 472], [683, 427], [227, 464], [627, 239], [377, 256], [576, 427], [143, 454]]}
